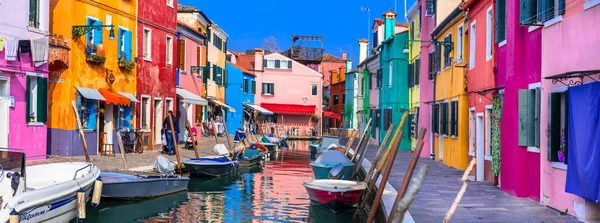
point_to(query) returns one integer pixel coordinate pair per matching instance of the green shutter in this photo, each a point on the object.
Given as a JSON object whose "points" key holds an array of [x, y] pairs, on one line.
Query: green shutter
{"points": [[42, 100], [523, 117], [205, 74], [273, 88], [27, 98], [500, 20], [528, 10], [214, 73], [531, 117], [410, 75], [225, 47], [263, 88], [33, 17], [245, 86], [536, 129], [553, 126], [417, 71], [253, 87], [208, 35], [277, 63], [289, 64], [264, 65]]}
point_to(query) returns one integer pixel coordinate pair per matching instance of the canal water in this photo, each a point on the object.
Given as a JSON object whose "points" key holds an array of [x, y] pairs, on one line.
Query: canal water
{"points": [[273, 193]]}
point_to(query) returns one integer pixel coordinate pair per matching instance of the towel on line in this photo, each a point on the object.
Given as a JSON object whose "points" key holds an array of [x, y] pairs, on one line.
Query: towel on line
{"points": [[40, 51], [11, 49], [2, 43]]}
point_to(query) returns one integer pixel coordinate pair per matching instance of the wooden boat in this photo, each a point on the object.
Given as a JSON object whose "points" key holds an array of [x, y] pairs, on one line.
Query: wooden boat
{"points": [[272, 147], [250, 157], [132, 186], [337, 195], [212, 167], [47, 193], [328, 160]]}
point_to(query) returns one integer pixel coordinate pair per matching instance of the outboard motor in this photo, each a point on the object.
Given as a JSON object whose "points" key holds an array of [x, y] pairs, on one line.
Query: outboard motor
{"points": [[336, 172]]}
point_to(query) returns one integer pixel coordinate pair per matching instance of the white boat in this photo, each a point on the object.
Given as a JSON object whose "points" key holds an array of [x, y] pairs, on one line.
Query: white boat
{"points": [[42, 193]]}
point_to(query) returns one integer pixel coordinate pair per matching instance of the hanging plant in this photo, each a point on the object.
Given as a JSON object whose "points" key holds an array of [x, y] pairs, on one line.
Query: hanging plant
{"points": [[126, 65], [496, 133], [93, 58], [314, 119], [260, 117], [562, 153]]}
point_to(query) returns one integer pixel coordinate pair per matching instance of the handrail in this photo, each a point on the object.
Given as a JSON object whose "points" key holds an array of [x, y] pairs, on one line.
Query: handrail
{"points": [[86, 166]]}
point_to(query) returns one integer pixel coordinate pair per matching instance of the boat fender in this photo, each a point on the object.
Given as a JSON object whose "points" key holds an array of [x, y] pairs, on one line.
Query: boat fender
{"points": [[97, 192], [81, 204], [14, 216]]}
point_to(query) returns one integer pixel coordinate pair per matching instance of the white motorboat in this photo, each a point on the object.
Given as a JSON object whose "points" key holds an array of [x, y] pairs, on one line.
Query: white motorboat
{"points": [[42, 193]]}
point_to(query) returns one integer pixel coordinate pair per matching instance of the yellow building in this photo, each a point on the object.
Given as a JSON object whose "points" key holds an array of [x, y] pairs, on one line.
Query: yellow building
{"points": [[100, 77], [414, 46], [450, 108]]}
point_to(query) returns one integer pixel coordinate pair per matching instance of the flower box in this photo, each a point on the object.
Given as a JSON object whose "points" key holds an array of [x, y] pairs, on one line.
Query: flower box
{"points": [[92, 58], [126, 65]]}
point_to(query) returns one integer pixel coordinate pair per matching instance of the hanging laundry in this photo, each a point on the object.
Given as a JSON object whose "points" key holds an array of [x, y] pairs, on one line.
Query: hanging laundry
{"points": [[2, 43], [24, 47], [11, 49], [40, 51]]}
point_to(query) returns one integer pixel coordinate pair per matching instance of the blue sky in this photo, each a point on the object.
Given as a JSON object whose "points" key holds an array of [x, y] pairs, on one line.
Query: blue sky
{"points": [[340, 22]]}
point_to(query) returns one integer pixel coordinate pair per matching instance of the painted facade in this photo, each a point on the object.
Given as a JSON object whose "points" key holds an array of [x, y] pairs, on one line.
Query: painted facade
{"points": [[351, 103], [94, 67], [240, 89], [361, 90], [329, 64], [414, 47], [451, 104], [216, 59], [564, 49], [156, 66], [393, 94], [23, 79], [426, 85], [338, 95]]}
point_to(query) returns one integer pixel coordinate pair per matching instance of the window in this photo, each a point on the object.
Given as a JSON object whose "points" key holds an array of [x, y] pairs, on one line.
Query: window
{"points": [[147, 44], [558, 121], [315, 90], [170, 50], [270, 63], [500, 20], [268, 89], [435, 123], [411, 75], [125, 41], [198, 55], [253, 87], [412, 30], [459, 43], [281, 64], [536, 11], [430, 10], [94, 37], [180, 54], [417, 74], [472, 45], [430, 65], [488, 131], [454, 118], [124, 116], [414, 123], [379, 77], [375, 39], [170, 3], [529, 117], [284, 64], [145, 110], [88, 110], [387, 118], [336, 99], [447, 56], [391, 74], [343, 98], [168, 105], [34, 13], [444, 118], [472, 131], [488, 35], [36, 99], [245, 86]]}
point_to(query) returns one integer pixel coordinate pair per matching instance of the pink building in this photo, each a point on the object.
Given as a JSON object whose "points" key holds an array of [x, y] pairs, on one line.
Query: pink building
{"points": [[288, 88], [426, 87], [570, 46]]}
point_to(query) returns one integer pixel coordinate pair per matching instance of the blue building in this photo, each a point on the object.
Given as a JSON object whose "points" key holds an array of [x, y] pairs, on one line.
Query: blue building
{"points": [[240, 89]]}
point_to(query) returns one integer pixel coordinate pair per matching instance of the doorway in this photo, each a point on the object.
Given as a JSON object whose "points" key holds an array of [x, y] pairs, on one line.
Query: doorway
{"points": [[158, 114], [479, 153], [182, 120], [4, 110]]}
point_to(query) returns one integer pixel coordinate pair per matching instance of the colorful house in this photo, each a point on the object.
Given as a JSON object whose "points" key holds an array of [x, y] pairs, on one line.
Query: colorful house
{"points": [[450, 108], [24, 75], [101, 78], [240, 91], [569, 108], [393, 93], [190, 88], [414, 65], [351, 103], [361, 89], [329, 63], [156, 64], [338, 97]]}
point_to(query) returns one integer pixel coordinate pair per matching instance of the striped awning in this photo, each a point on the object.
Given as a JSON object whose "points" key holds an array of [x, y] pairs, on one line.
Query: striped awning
{"points": [[191, 98], [259, 109], [221, 104], [128, 95], [290, 109]]}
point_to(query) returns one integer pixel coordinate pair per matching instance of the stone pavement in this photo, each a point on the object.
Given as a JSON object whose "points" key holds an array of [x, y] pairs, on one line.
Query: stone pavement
{"points": [[482, 202], [136, 160]]}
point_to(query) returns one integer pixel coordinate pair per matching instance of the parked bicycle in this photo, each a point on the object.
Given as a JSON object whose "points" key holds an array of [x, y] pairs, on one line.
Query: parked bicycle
{"points": [[131, 145]]}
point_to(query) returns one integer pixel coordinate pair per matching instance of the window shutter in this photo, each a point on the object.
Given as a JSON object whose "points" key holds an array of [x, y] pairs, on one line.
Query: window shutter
{"points": [[417, 71], [456, 118], [92, 108], [128, 117], [253, 87], [417, 122], [214, 73], [273, 88], [374, 125], [205, 74], [121, 34], [438, 59], [523, 117], [97, 33], [410, 75], [444, 118], [528, 11], [42, 99], [277, 63], [531, 103], [435, 118], [561, 7], [500, 20], [411, 128], [226, 79], [128, 46], [537, 117], [553, 126], [289, 64], [208, 34], [198, 51], [33, 17], [264, 64], [27, 98], [263, 88], [225, 47], [429, 71]]}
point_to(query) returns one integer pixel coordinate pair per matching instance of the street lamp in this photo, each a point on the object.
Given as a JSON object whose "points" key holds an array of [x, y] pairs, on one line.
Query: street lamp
{"points": [[368, 11]]}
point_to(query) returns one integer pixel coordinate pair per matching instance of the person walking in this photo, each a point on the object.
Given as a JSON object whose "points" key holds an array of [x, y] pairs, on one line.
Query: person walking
{"points": [[169, 132]]}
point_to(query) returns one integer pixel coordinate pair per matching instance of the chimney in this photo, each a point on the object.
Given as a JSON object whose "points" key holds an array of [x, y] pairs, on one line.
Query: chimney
{"points": [[348, 64], [342, 73], [363, 45], [334, 76], [390, 24], [344, 55], [258, 59]]}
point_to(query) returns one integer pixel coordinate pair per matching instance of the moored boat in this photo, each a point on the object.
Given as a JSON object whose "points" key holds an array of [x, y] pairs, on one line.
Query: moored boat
{"points": [[213, 167], [250, 157], [130, 186], [337, 195], [272, 147], [329, 159]]}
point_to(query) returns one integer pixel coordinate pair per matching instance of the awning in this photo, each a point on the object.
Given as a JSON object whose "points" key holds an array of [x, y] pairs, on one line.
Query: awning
{"points": [[290, 109], [330, 114], [191, 98], [129, 95], [219, 103], [114, 97], [259, 109], [90, 93]]}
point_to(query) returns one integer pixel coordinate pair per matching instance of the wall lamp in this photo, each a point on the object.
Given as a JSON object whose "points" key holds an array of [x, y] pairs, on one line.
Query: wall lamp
{"points": [[448, 46], [78, 31]]}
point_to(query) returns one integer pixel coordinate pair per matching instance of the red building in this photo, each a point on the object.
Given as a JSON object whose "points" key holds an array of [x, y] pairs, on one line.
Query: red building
{"points": [[156, 77], [338, 97]]}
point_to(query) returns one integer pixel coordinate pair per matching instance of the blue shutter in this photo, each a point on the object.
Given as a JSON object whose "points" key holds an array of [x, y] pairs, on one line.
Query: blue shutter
{"points": [[128, 117], [128, 45], [92, 109], [88, 49], [118, 118], [97, 33]]}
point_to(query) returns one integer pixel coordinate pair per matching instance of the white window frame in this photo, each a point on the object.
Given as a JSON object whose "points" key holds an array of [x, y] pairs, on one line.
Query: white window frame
{"points": [[286, 64], [488, 132], [488, 34], [472, 44], [170, 3], [170, 106], [41, 14], [561, 89], [311, 90], [449, 54], [169, 59], [267, 65], [391, 74], [268, 93], [147, 44], [459, 40], [33, 97], [472, 116], [590, 3], [146, 120]]}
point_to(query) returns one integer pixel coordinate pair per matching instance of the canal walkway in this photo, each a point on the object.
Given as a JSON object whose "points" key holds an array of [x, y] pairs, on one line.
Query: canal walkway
{"points": [[482, 201]]}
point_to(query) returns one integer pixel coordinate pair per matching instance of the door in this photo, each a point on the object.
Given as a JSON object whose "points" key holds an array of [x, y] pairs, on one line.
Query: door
{"points": [[108, 122], [158, 114], [183, 113], [479, 153], [4, 111]]}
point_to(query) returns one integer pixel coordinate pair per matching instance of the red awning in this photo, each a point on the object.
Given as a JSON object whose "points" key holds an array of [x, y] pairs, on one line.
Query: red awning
{"points": [[114, 97], [330, 114], [287, 109]]}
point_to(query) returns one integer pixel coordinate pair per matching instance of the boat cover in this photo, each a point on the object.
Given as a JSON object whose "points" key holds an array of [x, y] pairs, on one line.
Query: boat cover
{"points": [[163, 165], [221, 150], [332, 156]]}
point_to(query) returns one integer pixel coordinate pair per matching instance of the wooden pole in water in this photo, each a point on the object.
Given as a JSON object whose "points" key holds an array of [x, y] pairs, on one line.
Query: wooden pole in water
{"points": [[462, 191], [81, 135], [350, 142], [379, 153], [361, 141], [175, 143], [212, 124], [386, 175], [122, 149], [188, 126], [227, 135], [409, 171], [410, 195]]}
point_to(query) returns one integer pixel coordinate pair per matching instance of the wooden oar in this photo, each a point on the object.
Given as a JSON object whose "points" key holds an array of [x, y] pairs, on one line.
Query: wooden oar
{"points": [[81, 135], [462, 191], [189, 128], [409, 171], [350, 141], [360, 142], [410, 195], [379, 153], [227, 135], [120, 141], [175, 144]]}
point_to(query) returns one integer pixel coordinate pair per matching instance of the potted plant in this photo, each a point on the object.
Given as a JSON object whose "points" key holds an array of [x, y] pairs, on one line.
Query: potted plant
{"points": [[562, 153], [93, 58], [126, 65], [32, 117]]}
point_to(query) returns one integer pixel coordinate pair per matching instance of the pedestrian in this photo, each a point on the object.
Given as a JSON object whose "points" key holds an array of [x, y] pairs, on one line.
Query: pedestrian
{"points": [[169, 131]]}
